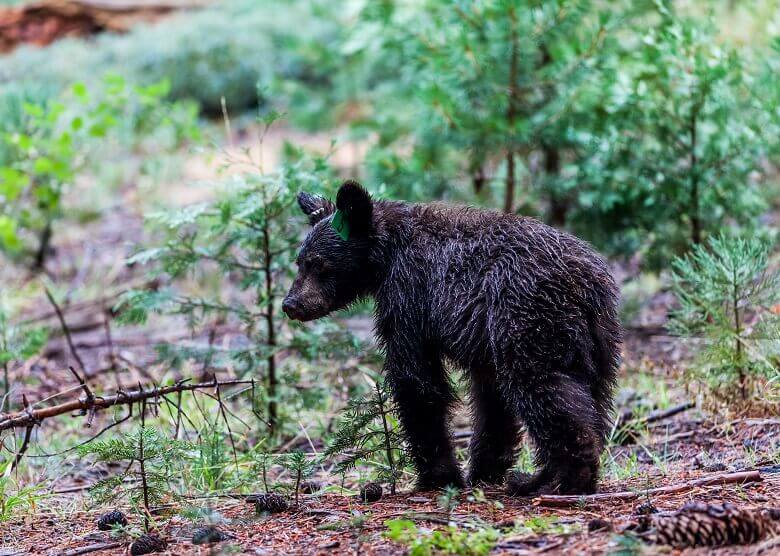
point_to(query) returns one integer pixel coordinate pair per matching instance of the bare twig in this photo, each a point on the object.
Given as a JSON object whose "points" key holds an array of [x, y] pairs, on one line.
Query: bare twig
{"points": [[562, 501], [34, 417], [142, 465], [66, 330], [23, 449], [178, 415], [88, 440], [83, 384], [227, 424]]}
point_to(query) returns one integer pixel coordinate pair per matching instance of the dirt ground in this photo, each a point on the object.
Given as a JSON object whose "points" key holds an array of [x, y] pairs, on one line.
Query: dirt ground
{"points": [[320, 525]]}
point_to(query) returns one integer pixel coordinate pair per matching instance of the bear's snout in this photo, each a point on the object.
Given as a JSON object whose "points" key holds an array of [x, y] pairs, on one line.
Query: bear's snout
{"points": [[292, 308]]}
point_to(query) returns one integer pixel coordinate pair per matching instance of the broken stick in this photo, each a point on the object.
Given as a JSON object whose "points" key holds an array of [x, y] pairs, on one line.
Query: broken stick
{"points": [[564, 501]]}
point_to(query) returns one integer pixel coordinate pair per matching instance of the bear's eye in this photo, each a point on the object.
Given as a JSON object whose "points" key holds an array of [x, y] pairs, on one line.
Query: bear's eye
{"points": [[316, 264]]}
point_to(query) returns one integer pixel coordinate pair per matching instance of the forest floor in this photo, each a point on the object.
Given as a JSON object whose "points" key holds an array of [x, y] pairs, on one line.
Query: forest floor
{"points": [[89, 270], [327, 523]]}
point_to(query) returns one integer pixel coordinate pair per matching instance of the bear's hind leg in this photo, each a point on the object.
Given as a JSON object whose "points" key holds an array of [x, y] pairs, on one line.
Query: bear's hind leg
{"points": [[565, 427], [493, 444]]}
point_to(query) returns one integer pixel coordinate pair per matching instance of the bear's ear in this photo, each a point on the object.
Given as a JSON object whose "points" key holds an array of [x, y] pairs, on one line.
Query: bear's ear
{"points": [[315, 207], [355, 204]]}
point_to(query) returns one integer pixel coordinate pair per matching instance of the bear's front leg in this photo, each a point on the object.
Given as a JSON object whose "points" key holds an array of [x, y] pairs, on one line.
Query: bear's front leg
{"points": [[423, 397]]}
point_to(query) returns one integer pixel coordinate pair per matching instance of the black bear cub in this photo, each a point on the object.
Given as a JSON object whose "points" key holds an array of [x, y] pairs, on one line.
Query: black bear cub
{"points": [[528, 311]]}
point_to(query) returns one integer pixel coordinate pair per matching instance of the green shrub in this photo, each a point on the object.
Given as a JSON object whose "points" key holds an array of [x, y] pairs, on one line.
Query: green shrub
{"points": [[46, 144], [490, 82], [151, 463], [640, 129], [727, 293], [678, 152]]}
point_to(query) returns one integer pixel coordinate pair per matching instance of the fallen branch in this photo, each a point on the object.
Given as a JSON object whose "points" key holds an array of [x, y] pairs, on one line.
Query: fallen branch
{"points": [[91, 548], [563, 501], [32, 417], [654, 416]]}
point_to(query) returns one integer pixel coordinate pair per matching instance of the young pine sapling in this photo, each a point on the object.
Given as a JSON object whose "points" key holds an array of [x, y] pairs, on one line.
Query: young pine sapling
{"points": [[368, 432], [153, 463], [300, 465], [727, 294]]}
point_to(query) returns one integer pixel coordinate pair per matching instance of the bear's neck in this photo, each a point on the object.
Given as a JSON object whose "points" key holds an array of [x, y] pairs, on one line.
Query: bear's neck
{"points": [[393, 224]]}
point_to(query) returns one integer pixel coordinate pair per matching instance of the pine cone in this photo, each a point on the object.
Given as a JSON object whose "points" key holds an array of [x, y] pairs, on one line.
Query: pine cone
{"points": [[699, 524], [107, 521], [271, 503], [207, 535], [599, 524], [371, 492], [310, 487], [146, 544], [645, 508]]}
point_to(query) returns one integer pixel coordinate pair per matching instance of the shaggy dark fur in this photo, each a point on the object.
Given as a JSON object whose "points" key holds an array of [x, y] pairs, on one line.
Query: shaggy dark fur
{"points": [[530, 312]]}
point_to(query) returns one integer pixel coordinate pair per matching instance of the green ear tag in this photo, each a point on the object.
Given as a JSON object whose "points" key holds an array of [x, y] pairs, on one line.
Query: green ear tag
{"points": [[340, 224]]}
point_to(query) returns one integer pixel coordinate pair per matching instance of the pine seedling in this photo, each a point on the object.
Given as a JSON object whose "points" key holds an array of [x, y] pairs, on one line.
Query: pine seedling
{"points": [[368, 433], [726, 292], [448, 500], [264, 461], [153, 462], [300, 465]]}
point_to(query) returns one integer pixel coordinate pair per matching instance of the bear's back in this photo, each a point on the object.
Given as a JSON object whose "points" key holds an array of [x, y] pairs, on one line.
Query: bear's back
{"points": [[458, 238]]}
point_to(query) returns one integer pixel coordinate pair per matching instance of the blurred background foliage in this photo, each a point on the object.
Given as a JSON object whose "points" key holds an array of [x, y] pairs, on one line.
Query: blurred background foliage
{"points": [[641, 125]]}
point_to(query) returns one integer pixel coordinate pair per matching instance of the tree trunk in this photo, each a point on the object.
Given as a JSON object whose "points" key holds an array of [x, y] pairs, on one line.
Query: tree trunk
{"points": [[43, 246], [388, 445], [559, 207], [273, 414], [738, 339], [511, 117], [696, 231], [478, 179], [142, 467]]}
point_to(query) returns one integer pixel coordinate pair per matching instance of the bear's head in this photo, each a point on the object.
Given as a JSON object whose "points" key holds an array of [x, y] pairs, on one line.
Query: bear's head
{"points": [[333, 263]]}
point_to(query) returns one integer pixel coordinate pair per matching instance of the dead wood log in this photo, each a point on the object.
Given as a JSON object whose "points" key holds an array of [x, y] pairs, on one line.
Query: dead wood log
{"points": [[564, 501], [46, 21], [85, 405]]}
